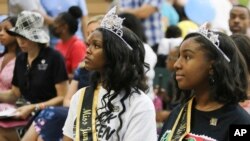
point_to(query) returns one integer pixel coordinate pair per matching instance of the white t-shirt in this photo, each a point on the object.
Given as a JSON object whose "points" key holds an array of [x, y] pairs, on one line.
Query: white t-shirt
{"points": [[151, 59], [138, 121], [167, 43]]}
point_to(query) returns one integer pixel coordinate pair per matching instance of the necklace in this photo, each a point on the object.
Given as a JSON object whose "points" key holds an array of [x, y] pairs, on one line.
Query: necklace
{"points": [[209, 108], [213, 120]]}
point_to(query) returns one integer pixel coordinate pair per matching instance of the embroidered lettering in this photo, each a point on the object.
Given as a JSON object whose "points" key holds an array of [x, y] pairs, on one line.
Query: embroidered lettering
{"points": [[85, 133], [85, 115]]}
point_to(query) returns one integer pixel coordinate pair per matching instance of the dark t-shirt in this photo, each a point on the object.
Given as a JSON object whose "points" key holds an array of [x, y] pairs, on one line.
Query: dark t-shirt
{"points": [[82, 76], [37, 82], [201, 122]]}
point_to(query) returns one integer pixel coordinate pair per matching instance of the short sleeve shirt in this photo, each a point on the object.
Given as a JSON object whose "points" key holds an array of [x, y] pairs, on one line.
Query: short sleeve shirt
{"points": [[201, 126], [138, 118], [152, 24], [73, 51], [37, 82], [82, 76]]}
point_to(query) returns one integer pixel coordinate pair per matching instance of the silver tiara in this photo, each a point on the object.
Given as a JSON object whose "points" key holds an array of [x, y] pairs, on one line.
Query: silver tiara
{"points": [[113, 23], [212, 37]]}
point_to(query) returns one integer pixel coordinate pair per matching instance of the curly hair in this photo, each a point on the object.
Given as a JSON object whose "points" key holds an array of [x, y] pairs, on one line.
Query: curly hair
{"points": [[230, 85], [123, 71]]}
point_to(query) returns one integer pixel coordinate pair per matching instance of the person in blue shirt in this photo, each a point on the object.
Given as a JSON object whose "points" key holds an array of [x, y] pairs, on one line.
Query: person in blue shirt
{"points": [[149, 14]]}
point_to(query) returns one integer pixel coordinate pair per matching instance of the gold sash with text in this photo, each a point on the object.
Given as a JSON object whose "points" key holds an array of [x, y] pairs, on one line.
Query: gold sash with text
{"points": [[182, 124], [86, 115]]}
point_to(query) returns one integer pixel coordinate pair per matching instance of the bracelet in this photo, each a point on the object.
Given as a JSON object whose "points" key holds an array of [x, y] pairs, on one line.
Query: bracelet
{"points": [[37, 107], [40, 106]]}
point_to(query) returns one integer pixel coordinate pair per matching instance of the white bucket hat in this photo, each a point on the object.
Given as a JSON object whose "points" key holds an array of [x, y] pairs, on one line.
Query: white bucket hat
{"points": [[30, 25]]}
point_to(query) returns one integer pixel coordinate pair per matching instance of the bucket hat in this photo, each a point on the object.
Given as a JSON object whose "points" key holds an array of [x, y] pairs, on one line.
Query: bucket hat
{"points": [[30, 25]]}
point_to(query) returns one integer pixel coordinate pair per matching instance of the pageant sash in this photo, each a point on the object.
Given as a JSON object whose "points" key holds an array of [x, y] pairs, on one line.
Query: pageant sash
{"points": [[182, 124], [86, 115]]}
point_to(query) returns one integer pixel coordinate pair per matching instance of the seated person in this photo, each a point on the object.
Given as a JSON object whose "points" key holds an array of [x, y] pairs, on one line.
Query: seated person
{"points": [[40, 75], [8, 57], [57, 115], [114, 106], [70, 46]]}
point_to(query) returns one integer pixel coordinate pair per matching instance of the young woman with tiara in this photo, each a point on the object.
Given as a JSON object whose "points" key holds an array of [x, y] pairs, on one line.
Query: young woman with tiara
{"points": [[211, 72], [114, 107]]}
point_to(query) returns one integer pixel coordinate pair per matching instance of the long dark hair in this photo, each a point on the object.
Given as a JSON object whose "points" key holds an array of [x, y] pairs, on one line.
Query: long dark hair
{"points": [[123, 72], [230, 85]]}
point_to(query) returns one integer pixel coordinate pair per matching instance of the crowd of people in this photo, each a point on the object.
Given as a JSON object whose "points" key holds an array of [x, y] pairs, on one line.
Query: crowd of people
{"points": [[127, 75]]}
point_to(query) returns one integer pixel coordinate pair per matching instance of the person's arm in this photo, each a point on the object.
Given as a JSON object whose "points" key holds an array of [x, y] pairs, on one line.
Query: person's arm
{"points": [[65, 138], [162, 115], [24, 111], [48, 20], [73, 87], [84, 27], [142, 12], [70, 76], [61, 90], [83, 5], [10, 96], [29, 5]]}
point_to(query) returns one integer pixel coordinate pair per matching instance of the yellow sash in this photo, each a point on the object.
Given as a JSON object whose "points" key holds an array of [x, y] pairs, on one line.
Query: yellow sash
{"points": [[182, 124], [86, 115]]}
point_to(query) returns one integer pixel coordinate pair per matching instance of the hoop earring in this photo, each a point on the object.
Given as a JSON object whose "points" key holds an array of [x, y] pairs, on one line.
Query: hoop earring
{"points": [[211, 80]]}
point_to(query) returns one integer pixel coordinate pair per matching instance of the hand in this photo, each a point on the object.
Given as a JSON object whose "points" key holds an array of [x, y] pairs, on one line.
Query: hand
{"points": [[24, 111]]}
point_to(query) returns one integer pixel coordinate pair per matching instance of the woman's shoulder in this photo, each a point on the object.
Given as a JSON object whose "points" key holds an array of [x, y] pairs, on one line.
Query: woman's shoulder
{"points": [[140, 99], [51, 53], [235, 109], [139, 95], [243, 116], [75, 98], [79, 92]]}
